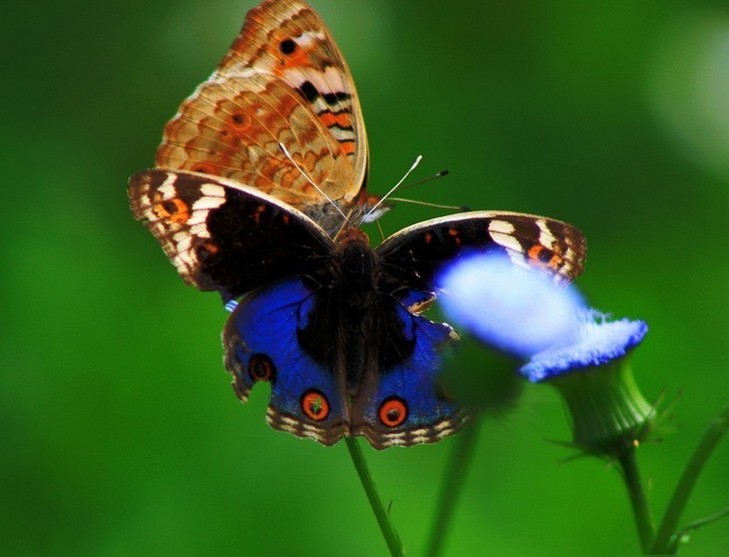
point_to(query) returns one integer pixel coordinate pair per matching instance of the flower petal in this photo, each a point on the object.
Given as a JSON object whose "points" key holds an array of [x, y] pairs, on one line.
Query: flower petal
{"points": [[598, 342], [520, 311]]}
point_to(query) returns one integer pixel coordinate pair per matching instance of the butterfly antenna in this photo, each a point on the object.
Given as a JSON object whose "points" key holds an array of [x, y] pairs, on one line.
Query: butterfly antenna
{"points": [[413, 166], [459, 208], [440, 174], [308, 179]]}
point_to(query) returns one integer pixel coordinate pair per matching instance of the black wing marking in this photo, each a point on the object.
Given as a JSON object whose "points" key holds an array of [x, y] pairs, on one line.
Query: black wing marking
{"points": [[224, 236], [412, 256]]}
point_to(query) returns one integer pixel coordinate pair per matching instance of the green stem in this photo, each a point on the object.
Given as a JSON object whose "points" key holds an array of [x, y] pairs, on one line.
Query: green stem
{"points": [[638, 501], [713, 434], [383, 518], [701, 523], [455, 477]]}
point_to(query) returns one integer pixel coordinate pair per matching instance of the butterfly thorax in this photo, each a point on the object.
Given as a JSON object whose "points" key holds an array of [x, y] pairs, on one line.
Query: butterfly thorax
{"points": [[356, 262]]}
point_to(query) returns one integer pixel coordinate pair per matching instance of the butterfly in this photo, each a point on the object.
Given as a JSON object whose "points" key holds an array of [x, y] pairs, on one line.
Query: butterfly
{"points": [[335, 326]]}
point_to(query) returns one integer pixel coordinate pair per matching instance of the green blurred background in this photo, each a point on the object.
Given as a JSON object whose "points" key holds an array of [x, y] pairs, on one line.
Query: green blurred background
{"points": [[120, 434]]}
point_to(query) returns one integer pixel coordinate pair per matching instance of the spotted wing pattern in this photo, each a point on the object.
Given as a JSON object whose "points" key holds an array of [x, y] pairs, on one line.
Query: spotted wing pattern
{"points": [[413, 255], [302, 335], [334, 326], [408, 404], [223, 236], [283, 82], [261, 344]]}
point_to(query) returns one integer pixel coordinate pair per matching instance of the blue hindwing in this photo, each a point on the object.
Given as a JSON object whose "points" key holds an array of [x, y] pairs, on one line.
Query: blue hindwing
{"points": [[430, 413], [261, 344]]}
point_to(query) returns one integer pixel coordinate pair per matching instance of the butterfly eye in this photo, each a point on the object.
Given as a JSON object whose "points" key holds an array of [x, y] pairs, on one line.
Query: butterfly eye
{"points": [[315, 405], [261, 368], [393, 412]]}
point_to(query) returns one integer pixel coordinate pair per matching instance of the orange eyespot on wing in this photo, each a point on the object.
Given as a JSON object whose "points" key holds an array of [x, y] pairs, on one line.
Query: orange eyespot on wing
{"points": [[393, 412], [542, 256], [315, 405], [173, 210]]}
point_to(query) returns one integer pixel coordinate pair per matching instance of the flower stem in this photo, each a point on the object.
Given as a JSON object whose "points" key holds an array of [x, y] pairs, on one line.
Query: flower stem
{"points": [[641, 510], [714, 432], [383, 518], [455, 476], [701, 523]]}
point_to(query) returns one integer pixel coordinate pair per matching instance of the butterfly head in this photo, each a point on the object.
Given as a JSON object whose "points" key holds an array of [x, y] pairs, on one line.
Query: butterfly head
{"points": [[372, 206], [349, 236]]}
